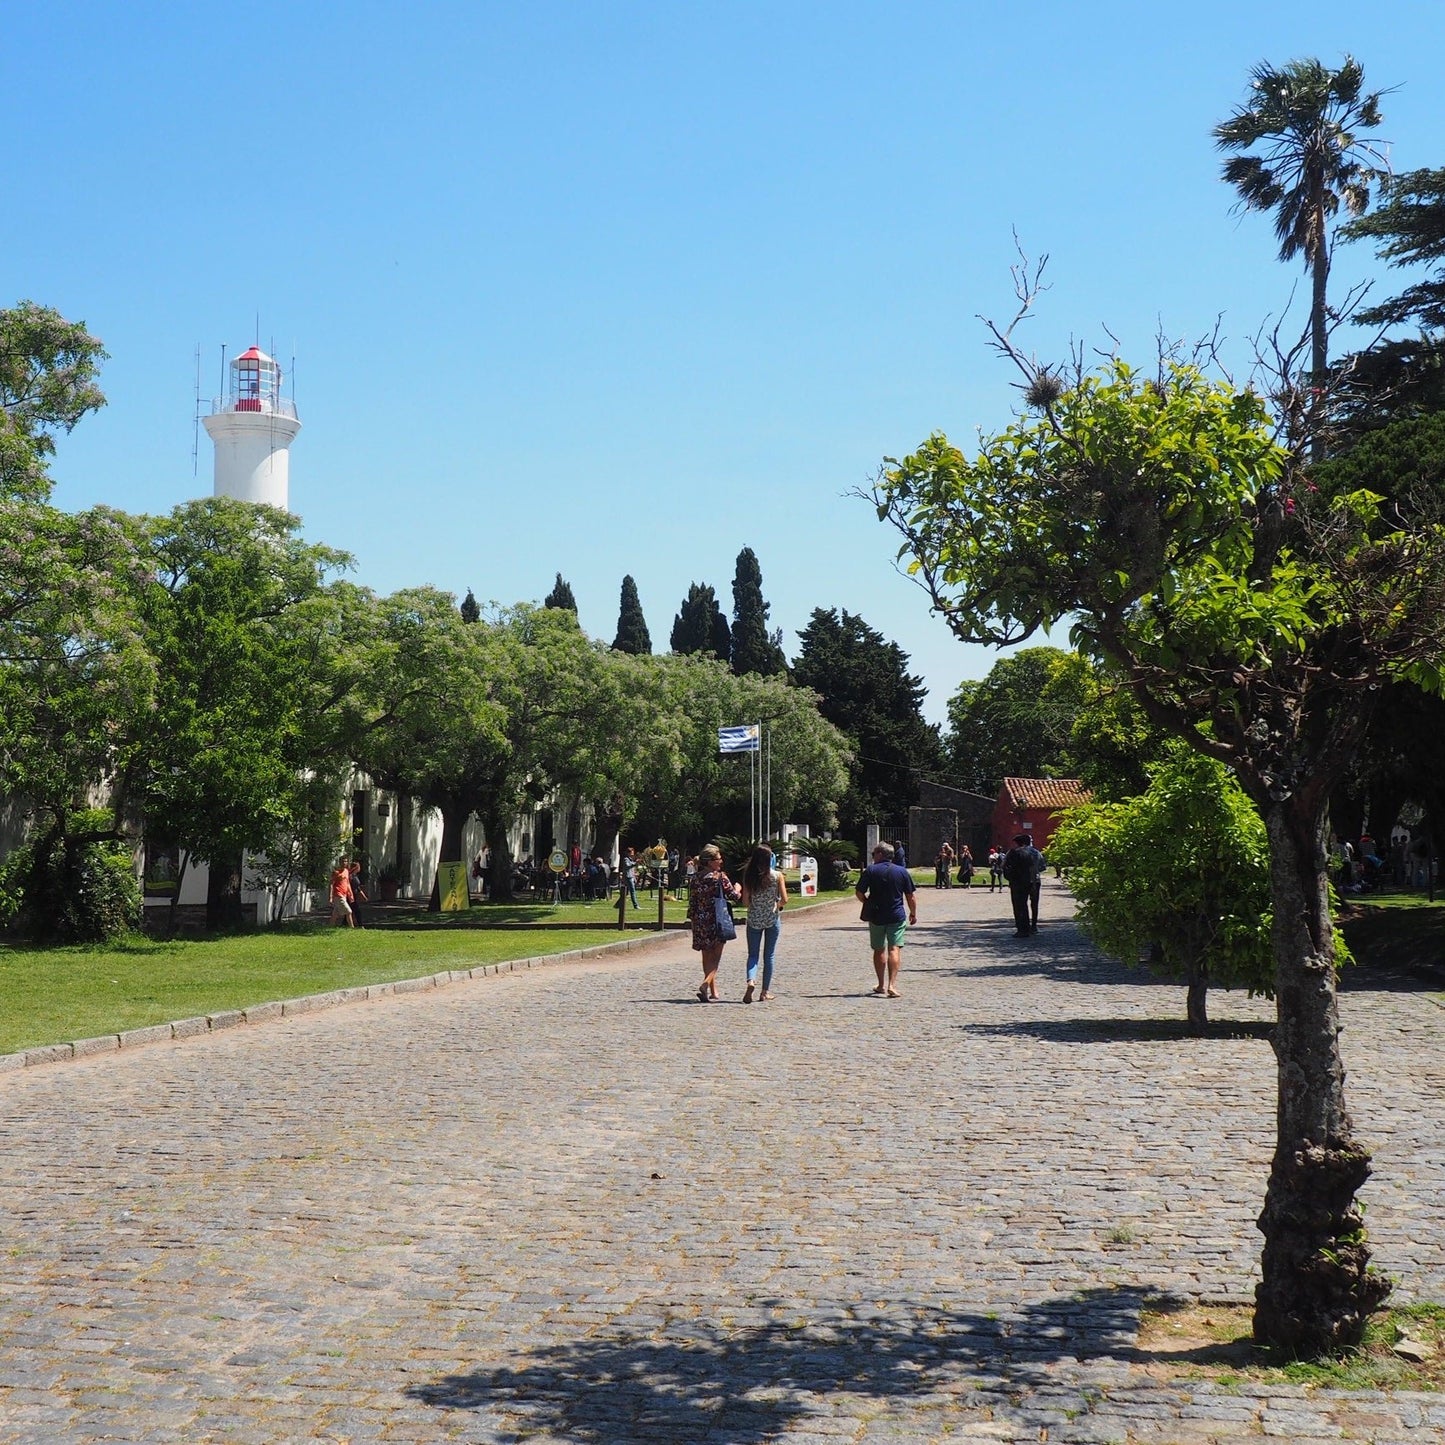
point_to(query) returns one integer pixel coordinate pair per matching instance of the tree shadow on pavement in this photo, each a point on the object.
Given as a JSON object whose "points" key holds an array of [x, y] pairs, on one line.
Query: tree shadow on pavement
{"points": [[696, 1380], [1121, 1031]]}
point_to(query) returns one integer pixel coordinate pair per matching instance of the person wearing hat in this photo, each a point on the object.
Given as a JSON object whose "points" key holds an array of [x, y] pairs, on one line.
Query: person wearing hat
{"points": [[1022, 865]]}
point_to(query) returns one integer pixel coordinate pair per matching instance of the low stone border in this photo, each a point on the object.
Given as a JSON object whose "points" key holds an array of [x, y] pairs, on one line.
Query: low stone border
{"points": [[289, 1008]]}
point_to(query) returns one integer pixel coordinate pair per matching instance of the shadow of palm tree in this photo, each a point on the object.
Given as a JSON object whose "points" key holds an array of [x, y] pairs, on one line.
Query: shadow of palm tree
{"points": [[696, 1380]]}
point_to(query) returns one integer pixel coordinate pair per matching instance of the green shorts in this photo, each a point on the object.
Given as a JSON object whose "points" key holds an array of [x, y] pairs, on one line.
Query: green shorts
{"points": [[886, 935]]}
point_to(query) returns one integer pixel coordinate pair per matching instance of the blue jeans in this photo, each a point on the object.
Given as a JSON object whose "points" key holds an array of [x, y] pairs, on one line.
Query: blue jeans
{"points": [[765, 939]]}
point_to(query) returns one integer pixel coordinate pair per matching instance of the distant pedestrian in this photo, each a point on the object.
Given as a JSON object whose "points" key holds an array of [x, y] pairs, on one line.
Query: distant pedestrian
{"points": [[886, 892], [710, 887], [965, 867], [900, 855], [995, 868], [943, 867], [1022, 865], [358, 897], [630, 866], [765, 891], [339, 895]]}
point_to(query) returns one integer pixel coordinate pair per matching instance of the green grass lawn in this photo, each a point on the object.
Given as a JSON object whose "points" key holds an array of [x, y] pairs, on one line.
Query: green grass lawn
{"points": [[53, 995], [1395, 930]]}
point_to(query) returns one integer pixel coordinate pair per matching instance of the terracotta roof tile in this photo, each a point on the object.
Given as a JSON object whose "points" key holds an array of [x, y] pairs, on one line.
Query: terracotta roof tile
{"points": [[1046, 793]]}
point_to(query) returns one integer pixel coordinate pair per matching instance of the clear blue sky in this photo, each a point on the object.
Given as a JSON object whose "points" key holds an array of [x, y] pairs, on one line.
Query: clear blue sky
{"points": [[609, 288]]}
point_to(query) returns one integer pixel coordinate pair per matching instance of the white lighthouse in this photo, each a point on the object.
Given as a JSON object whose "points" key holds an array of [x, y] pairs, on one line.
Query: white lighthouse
{"points": [[252, 428]]}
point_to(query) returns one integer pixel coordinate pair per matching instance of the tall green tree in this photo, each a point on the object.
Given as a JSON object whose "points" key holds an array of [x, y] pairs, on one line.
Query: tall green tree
{"points": [[1252, 617], [48, 371], [1299, 154], [865, 690], [754, 649], [561, 596], [1179, 875], [700, 625], [236, 617], [470, 609], [1402, 377], [632, 634], [686, 791], [1018, 721]]}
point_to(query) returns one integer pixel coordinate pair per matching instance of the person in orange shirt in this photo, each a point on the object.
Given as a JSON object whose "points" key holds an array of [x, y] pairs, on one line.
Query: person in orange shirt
{"points": [[341, 911]]}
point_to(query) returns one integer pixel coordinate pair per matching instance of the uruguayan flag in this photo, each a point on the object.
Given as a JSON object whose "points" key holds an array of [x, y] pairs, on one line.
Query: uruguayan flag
{"points": [[738, 740]]}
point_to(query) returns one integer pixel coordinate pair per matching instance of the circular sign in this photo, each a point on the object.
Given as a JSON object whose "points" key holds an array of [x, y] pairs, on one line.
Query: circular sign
{"points": [[558, 861]]}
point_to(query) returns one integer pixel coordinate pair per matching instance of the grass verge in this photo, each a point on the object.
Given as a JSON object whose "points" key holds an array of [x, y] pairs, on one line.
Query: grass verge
{"points": [[1403, 1349], [53, 995]]}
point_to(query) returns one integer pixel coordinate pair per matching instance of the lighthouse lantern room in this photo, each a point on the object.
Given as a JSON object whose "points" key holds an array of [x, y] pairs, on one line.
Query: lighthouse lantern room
{"points": [[252, 428]]}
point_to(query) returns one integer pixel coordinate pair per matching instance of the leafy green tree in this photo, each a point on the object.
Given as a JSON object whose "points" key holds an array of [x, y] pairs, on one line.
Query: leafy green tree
{"points": [[1300, 156], [700, 625], [238, 622], [866, 691], [470, 610], [561, 596], [1017, 722], [48, 370], [76, 676], [632, 634], [1180, 874], [753, 648], [483, 718], [1251, 617], [686, 791]]}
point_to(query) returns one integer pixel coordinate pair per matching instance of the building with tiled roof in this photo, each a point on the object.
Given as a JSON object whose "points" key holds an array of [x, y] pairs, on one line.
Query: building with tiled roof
{"points": [[1034, 806]]}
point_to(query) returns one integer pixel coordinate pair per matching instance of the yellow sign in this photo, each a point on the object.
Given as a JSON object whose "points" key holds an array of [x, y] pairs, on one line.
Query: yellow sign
{"points": [[452, 885]]}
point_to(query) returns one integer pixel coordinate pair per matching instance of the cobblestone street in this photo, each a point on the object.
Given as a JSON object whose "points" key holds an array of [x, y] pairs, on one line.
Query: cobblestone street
{"points": [[574, 1204]]}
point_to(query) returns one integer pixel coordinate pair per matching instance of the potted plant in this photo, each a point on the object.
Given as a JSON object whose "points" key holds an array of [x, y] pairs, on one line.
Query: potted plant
{"points": [[388, 883]]}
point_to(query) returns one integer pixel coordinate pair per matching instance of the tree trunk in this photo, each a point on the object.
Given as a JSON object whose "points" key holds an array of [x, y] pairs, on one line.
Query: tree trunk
{"points": [[223, 893], [1197, 998], [1319, 348], [499, 841], [454, 823], [1318, 1289]]}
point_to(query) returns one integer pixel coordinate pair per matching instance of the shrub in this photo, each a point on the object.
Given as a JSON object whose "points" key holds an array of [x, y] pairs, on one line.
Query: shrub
{"points": [[69, 887]]}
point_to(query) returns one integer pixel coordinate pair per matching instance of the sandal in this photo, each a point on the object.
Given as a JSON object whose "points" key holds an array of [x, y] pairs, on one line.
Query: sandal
{"points": [[702, 994], [748, 995], [879, 991]]}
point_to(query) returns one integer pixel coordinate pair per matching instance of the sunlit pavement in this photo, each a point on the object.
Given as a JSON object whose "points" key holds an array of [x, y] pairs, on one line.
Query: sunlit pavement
{"points": [[577, 1205]]}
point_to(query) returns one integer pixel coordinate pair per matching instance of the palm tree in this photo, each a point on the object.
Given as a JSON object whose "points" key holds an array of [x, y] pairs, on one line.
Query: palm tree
{"points": [[1303, 118]]}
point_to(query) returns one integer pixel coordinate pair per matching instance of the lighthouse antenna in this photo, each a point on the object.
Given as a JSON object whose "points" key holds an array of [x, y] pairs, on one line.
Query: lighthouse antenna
{"points": [[196, 419]]}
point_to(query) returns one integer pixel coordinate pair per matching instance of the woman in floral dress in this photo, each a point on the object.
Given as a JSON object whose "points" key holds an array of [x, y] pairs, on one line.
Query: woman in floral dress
{"points": [[708, 885]]}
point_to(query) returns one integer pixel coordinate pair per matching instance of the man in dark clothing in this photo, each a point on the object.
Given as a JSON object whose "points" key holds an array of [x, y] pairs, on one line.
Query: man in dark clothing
{"points": [[886, 891], [1022, 865]]}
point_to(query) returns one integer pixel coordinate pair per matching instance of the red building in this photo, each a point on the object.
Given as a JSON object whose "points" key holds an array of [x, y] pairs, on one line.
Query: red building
{"points": [[1034, 806]]}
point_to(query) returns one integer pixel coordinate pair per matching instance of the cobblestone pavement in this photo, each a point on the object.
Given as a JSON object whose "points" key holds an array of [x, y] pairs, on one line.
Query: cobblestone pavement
{"points": [[576, 1205]]}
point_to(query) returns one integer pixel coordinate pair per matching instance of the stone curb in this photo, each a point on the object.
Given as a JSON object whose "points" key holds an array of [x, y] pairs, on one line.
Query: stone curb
{"points": [[290, 1008]]}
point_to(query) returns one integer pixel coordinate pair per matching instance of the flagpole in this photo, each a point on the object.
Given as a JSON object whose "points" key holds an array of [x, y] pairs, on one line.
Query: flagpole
{"points": [[768, 827]]}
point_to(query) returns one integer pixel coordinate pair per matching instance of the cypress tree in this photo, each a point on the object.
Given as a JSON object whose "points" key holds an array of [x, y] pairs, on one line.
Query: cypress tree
{"points": [[700, 625], [632, 634], [753, 650], [561, 596], [469, 609]]}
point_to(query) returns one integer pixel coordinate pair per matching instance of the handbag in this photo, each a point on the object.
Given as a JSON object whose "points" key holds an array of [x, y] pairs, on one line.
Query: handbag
{"points": [[727, 929]]}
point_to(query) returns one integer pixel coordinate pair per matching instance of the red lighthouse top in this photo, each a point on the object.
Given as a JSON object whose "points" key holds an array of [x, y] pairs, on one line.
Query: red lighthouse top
{"points": [[255, 382]]}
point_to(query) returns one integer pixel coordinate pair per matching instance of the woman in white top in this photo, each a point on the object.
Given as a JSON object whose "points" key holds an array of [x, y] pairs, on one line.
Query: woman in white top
{"points": [[765, 891]]}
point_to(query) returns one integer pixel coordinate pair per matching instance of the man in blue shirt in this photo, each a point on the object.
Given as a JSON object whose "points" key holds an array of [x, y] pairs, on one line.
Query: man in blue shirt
{"points": [[886, 892]]}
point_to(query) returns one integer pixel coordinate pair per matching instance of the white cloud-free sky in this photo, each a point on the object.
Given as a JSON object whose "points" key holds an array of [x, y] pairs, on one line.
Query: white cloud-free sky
{"points": [[610, 288]]}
